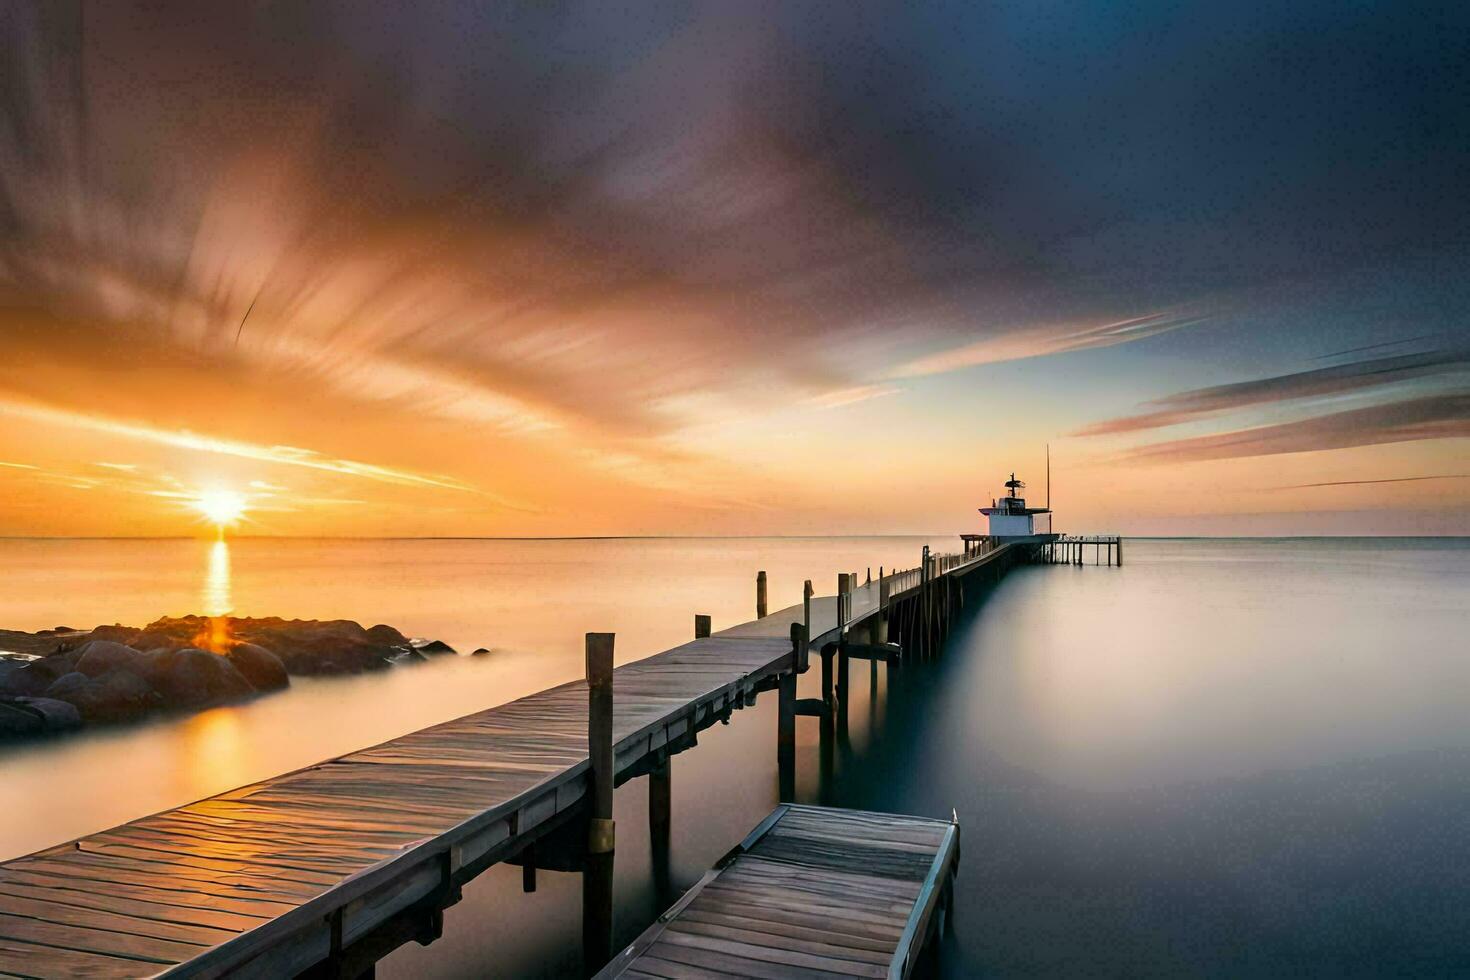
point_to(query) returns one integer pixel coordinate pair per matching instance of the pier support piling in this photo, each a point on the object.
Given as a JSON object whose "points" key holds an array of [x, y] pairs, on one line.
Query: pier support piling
{"points": [[701, 627], [844, 598], [661, 821], [597, 876], [760, 595], [786, 721]]}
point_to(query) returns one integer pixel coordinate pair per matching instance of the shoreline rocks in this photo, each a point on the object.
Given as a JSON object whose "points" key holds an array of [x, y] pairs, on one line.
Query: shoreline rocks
{"points": [[59, 680]]}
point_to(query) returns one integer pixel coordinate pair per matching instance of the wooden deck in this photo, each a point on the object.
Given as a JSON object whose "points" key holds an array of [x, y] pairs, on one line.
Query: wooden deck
{"points": [[332, 863], [813, 892]]}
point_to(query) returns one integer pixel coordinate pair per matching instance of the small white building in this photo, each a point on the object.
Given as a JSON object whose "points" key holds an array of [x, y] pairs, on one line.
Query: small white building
{"points": [[1011, 518]]}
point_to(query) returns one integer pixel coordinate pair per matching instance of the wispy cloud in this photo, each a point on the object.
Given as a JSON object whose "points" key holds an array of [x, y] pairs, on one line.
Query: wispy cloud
{"points": [[852, 395], [18, 466], [284, 455], [1041, 339], [1430, 417], [1360, 483], [1203, 402]]}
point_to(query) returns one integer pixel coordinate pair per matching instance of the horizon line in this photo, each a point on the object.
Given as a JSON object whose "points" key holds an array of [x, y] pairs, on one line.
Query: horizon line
{"points": [[680, 537]]}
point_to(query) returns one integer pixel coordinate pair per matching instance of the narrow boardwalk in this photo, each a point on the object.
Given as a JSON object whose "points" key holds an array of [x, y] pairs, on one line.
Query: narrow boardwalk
{"points": [[812, 892], [343, 861]]}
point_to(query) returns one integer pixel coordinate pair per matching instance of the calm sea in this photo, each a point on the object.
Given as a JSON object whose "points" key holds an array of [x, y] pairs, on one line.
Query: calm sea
{"points": [[1229, 757]]}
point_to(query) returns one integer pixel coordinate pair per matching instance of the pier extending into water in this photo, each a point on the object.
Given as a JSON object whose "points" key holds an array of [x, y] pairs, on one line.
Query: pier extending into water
{"points": [[325, 870]]}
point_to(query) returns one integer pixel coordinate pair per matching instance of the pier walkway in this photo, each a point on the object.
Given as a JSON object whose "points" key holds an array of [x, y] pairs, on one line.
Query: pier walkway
{"points": [[327, 869], [812, 892]]}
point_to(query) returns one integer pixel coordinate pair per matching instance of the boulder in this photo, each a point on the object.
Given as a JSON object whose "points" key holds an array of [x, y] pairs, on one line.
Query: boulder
{"points": [[16, 722], [386, 635], [56, 716], [100, 656], [431, 647], [117, 695], [479, 652], [192, 678], [68, 687], [151, 640], [115, 633], [259, 666], [29, 644], [33, 678]]}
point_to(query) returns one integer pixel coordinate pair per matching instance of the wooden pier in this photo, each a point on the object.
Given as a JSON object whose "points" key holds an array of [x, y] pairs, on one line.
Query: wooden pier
{"points": [[1107, 549], [838, 892], [325, 870]]}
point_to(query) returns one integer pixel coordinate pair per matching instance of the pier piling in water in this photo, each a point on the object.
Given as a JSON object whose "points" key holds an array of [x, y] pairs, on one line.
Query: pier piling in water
{"points": [[597, 877], [760, 595]]}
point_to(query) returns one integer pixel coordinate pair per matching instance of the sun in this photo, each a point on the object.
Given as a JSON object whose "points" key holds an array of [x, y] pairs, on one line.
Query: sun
{"points": [[221, 508]]}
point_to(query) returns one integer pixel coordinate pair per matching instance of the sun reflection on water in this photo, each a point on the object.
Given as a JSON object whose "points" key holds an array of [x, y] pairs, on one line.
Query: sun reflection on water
{"points": [[213, 751], [217, 602], [216, 595]]}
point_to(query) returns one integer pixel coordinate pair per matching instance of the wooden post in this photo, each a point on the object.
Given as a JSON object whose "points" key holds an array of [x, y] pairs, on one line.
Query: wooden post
{"points": [[786, 721], [844, 594], [828, 651], [597, 907], [806, 623], [883, 585], [661, 821], [760, 595], [1120, 552], [701, 626]]}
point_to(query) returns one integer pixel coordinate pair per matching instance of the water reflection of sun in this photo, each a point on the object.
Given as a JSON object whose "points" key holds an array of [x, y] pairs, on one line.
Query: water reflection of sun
{"points": [[216, 594], [214, 750]]}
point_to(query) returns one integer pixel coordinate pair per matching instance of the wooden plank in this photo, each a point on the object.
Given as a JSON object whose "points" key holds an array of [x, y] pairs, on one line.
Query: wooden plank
{"points": [[92, 918], [85, 940], [134, 906], [21, 959], [801, 904]]}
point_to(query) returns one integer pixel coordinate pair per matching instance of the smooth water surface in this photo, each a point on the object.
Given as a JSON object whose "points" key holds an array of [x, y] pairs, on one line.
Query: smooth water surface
{"points": [[1225, 758]]}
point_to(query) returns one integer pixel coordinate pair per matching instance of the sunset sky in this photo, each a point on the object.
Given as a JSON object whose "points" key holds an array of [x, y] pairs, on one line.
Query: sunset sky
{"points": [[483, 269]]}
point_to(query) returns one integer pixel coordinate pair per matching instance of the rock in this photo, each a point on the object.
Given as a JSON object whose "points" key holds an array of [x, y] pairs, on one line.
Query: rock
{"points": [[30, 644], [68, 687], [150, 640], [100, 656], [386, 635], [479, 652], [117, 695], [16, 722], [259, 666], [116, 633], [433, 647], [192, 678], [33, 678], [56, 716]]}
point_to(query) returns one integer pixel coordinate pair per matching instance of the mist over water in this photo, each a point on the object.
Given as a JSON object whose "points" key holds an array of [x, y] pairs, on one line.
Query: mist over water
{"points": [[1224, 758]]}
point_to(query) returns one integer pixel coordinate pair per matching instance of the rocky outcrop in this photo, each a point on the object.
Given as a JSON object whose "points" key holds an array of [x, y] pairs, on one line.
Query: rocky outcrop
{"points": [[55, 680], [37, 716], [101, 656], [262, 668]]}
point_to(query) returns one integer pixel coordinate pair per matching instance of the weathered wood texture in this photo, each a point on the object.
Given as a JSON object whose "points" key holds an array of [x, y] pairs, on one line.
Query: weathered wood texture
{"points": [[812, 892]]}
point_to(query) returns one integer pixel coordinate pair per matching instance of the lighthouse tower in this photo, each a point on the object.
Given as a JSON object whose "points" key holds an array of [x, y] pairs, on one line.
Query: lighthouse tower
{"points": [[1010, 517]]}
